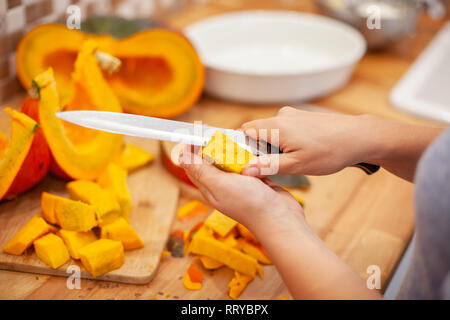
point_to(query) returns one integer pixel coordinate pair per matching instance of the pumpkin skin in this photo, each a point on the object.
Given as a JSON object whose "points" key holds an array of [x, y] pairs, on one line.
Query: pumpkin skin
{"points": [[161, 74], [14, 153], [80, 153], [36, 164]]}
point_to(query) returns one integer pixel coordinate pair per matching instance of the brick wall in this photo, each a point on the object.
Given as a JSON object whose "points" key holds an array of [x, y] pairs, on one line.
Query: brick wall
{"points": [[18, 16]]}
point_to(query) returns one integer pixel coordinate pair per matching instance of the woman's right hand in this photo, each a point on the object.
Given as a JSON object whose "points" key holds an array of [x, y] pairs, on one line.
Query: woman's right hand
{"points": [[314, 143]]}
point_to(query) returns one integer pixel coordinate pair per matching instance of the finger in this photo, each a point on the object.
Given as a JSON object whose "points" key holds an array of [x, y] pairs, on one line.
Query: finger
{"points": [[263, 129], [271, 164]]}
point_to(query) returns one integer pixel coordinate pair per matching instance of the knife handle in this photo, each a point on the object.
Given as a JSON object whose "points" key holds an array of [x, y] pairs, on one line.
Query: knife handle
{"points": [[368, 168]]}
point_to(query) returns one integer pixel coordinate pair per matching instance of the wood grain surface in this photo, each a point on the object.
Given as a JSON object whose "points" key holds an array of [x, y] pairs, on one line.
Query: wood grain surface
{"points": [[365, 220]]}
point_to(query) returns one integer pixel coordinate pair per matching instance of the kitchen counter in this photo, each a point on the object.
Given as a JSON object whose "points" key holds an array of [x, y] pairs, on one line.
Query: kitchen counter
{"points": [[365, 220]]}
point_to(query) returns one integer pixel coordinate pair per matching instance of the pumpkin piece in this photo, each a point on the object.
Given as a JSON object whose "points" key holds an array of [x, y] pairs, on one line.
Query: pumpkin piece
{"points": [[68, 214], [238, 284], [244, 232], [77, 152], [191, 208], [14, 153], [107, 209], [225, 153], [233, 258], [193, 278], [170, 78], [75, 240], [209, 263], [120, 230], [51, 250], [33, 229], [102, 256], [115, 179], [229, 240], [220, 223], [133, 157], [256, 251]]}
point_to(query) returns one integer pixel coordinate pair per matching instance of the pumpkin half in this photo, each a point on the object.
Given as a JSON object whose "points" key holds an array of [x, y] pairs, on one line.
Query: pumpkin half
{"points": [[78, 152], [161, 74], [13, 153]]}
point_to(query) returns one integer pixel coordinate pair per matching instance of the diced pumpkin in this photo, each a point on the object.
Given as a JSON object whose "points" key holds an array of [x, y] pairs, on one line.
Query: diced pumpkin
{"points": [[210, 264], [193, 278], [191, 208], [238, 284], [220, 223], [255, 250], [115, 179], [244, 232], [68, 214], [233, 258], [75, 240], [107, 208], [33, 229], [77, 152], [120, 230], [13, 154], [102, 256], [51, 250], [133, 157], [229, 240], [225, 153]]}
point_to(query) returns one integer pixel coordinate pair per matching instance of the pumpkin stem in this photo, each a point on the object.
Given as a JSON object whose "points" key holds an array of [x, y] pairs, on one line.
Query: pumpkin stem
{"points": [[107, 62], [34, 91]]}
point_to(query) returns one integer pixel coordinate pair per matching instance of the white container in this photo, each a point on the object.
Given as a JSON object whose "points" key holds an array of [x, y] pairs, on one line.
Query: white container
{"points": [[267, 57]]}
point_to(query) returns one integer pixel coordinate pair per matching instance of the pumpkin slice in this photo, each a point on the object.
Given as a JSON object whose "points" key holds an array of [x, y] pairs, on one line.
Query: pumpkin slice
{"points": [[161, 73], [233, 258], [132, 158], [210, 264], [25, 237], [238, 284], [75, 240], [255, 250], [102, 256], [193, 278], [220, 223], [225, 153], [51, 250], [14, 153], [244, 232], [115, 179], [191, 208], [120, 230], [107, 208], [79, 152], [69, 214]]}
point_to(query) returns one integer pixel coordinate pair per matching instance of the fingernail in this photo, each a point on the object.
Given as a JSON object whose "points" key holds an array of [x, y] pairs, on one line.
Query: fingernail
{"points": [[252, 171]]}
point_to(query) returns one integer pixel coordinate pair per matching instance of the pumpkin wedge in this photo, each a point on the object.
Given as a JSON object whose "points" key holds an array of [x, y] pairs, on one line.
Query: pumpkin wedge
{"points": [[14, 153], [51, 250], [79, 152], [161, 73]]}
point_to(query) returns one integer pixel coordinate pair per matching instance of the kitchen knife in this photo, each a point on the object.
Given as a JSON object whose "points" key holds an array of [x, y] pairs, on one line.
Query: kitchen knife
{"points": [[169, 130]]}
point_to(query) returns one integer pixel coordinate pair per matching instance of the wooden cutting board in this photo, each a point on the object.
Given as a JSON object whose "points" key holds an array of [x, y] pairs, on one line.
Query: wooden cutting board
{"points": [[154, 195]]}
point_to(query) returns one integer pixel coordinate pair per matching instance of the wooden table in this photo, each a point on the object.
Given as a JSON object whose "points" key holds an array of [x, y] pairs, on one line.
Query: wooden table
{"points": [[365, 220]]}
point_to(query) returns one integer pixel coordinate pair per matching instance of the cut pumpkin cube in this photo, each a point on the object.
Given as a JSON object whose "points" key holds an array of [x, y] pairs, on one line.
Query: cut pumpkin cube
{"points": [[24, 238], [51, 250], [133, 158], [209, 263], [225, 153], [104, 201], [220, 223], [120, 230], [75, 240], [238, 284], [68, 214], [233, 258], [114, 178], [102, 256], [193, 278], [255, 250]]}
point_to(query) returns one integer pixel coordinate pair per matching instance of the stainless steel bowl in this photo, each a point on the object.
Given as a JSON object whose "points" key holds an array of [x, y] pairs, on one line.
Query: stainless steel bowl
{"points": [[396, 18]]}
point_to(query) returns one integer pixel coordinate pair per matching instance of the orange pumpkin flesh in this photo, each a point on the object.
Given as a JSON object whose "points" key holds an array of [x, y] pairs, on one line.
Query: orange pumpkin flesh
{"points": [[161, 73], [36, 164]]}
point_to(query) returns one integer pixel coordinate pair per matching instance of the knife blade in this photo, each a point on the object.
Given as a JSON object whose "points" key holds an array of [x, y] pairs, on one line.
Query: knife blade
{"points": [[160, 129]]}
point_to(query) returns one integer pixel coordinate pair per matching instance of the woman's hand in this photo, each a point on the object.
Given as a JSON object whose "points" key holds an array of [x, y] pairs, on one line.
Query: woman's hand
{"points": [[313, 143], [245, 199]]}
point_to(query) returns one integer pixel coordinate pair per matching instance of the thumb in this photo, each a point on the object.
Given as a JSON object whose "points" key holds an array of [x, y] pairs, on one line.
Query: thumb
{"points": [[271, 164]]}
